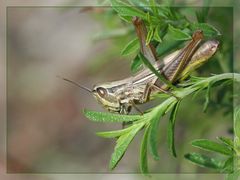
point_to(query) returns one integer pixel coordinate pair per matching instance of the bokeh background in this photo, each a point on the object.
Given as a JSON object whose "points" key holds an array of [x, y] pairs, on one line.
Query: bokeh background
{"points": [[46, 129]]}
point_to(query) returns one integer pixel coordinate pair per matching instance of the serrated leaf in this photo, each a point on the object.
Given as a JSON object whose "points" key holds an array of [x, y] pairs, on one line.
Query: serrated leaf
{"points": [[208, 30], [206, 144], [136, 64], [143, 152], [109, 117], [203, 160], [124, 9], [171, 125], [178, 34], [227, 141], [122, 144], [131, 47]]}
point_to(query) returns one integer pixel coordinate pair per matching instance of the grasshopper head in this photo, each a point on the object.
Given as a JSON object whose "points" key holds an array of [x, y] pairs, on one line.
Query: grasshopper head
{"points": [[105, 97]]}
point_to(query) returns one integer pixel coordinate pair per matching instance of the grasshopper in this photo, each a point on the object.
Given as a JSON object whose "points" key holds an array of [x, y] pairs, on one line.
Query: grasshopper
{"points": [[123, 95]]}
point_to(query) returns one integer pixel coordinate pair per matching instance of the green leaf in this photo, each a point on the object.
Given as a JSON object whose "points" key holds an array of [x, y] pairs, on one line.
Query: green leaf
{"points": [[178, 34], [171, 125], [227, 141], [136, 64], [131, 47], [143, 152], [109, 117], [149, 36], [212, 146], [153, 137], [154, 7], [122, 144], [167, 46], [234, 176], [208, 30], [154, 129], [228, 166], [150, 66], [207, 98], [127, 19], [156, 35], [114, 134], [124, 9], [204, 161]]}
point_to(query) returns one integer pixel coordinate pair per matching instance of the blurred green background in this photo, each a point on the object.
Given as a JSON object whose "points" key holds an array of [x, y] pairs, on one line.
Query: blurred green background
{"points": [[46, 129]]}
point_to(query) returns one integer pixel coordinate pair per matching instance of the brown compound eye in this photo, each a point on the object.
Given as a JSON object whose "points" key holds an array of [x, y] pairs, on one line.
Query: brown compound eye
{"points": [[101, 91]]}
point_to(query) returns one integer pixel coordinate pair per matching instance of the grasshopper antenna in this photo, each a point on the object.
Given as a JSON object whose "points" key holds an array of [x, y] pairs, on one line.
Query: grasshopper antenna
{"points": [[76, 84]]}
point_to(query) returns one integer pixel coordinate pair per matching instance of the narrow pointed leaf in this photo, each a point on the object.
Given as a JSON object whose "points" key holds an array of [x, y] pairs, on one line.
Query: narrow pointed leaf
{"points": [[122, 144], [178, 34], [204, 161], [167, 46], [156, 35], [207, 98], [228, 166], [149, 36], [143, 152], [227, 141], [109, 117], [154, 7], [131, 47], [114, 134], [136, 64], [124, 9], [212, 146], [153, 138], [171, 125]]}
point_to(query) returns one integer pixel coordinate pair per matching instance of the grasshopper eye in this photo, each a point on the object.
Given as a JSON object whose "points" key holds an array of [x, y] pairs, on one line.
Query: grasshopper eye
{"points": [[101, 91]]}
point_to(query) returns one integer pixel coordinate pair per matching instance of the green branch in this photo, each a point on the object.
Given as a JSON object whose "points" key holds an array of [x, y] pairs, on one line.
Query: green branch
{"points": [[150, 121]]}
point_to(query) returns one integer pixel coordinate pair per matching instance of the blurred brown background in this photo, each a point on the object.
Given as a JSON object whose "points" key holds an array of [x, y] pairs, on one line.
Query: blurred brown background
{"points": [[46, 129]]}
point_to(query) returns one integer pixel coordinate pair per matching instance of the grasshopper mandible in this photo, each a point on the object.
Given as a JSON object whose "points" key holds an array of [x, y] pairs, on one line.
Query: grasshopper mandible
{"points": [[121, 96]]}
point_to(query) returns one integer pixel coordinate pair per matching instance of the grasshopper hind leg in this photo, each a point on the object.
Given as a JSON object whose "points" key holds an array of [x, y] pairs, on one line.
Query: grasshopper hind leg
{"points": [[165, 91]]}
